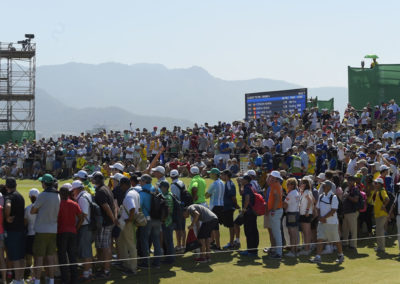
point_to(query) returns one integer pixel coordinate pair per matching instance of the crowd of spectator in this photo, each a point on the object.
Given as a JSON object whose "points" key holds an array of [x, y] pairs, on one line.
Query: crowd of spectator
{"points": [[314, 174]]}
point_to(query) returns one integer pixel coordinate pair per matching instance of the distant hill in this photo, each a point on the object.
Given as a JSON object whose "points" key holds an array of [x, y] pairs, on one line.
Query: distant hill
{"points": [[54, 118], [145, 91]]}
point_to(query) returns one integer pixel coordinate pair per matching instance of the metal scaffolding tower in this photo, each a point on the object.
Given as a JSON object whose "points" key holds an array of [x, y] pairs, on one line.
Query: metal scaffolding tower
{"points": [[17, 85]]}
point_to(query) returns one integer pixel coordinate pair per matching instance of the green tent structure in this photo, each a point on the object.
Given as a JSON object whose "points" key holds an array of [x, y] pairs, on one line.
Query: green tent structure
{"points": [[373, 85], [329, 104]]}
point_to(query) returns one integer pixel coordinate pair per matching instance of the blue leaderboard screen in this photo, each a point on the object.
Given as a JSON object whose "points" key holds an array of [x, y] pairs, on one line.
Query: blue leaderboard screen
{"points": [[267, 103]]}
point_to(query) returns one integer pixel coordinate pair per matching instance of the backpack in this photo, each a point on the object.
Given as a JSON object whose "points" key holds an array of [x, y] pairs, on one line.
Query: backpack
{"points": [[186, 197], [177, 214], [159, 207], [96, 218], [339, 211], [259, 204], [362, 208], [395, 206], [391, 200]]}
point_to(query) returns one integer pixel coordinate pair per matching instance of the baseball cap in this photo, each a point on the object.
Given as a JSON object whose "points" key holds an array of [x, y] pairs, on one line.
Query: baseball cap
{"points": [[393, 159], [194, 170], [384, 168], [47, 178], [362, 155], [379, 180], [96, 175], [251, 173], [174, 173], [214, 171], [81, 174], [118, 166], [159, 169], [117, 176], [67, 186], [276, 174], [321, 176], [34, 192], [146, 178], [76, 184], [253, 151]]}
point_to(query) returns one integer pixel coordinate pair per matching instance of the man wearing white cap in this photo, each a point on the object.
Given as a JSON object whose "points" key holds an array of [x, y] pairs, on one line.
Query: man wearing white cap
{"points": [[85, 253], [254, 181], [197, 187], [159, 173], [117, 168], [177, 186], [381, 199], [84, 178], [275, 211], [30, 221]]}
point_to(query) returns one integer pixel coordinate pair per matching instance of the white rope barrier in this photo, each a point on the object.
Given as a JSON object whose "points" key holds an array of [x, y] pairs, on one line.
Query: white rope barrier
{"points": [[192, 253]]}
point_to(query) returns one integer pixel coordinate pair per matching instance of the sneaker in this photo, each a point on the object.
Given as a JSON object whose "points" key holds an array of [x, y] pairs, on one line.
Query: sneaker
{"points": [[290, 254], [269, 250], [304, 252], [228, 246], [103, 275], [276, 256], [143, 266], [327, 250], [129, 272], [214, 247], [340, 259], [248, 253], [316, 259], [353, 249], [379, 250], [200, 260]]}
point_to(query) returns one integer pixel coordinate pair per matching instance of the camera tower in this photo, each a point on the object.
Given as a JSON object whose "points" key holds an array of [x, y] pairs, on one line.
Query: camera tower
{"points": [[17, 90]]}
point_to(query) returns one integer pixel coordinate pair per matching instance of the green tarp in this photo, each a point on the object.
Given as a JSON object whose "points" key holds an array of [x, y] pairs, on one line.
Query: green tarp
{"points": [[375, 86], [16, 135], [329, 105]]}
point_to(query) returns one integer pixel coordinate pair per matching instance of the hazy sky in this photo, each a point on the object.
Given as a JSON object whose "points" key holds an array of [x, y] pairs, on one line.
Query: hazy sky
{"points": [[306, 42]]}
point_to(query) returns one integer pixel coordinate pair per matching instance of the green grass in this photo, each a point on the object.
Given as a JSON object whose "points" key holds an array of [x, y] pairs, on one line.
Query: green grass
{"points": [[366, 267]]}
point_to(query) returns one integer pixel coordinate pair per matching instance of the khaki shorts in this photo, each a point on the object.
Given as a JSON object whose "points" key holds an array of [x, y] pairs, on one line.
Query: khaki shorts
{"points": [[44, 244], [328, 232]]}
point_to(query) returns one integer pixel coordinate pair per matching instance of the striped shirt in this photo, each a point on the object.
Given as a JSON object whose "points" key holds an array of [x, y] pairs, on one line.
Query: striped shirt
{"points": [[216, 190]]}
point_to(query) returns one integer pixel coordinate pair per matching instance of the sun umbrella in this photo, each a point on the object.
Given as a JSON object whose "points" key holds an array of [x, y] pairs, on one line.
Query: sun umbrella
{"points": [[372, 56]]}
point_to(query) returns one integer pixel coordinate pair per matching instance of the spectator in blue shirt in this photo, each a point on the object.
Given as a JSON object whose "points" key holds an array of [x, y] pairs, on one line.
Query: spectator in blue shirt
{"points": [[153, 227], [230, 205]]}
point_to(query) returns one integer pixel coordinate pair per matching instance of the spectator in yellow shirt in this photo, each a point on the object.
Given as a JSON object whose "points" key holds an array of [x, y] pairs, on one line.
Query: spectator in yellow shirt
{"points": [[80, 162], [311, 161], [381, 199]]}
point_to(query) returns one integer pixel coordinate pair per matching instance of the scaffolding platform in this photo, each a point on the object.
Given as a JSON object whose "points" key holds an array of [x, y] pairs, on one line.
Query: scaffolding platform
{"points": [[17, 88]]}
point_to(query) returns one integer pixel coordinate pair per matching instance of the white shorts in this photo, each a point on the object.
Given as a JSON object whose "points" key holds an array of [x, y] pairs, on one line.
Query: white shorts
{"points": [[328, 232]]}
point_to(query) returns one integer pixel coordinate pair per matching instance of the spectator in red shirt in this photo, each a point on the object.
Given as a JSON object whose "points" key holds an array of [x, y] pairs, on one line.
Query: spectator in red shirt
{"points": [[66, 235]]}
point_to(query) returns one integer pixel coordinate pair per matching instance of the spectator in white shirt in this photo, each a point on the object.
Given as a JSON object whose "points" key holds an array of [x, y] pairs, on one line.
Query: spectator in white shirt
{"points": [[126, 240], [286, 143], [328, 226], [291, 206], [393, 106], [30, 221]]}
